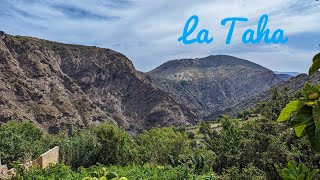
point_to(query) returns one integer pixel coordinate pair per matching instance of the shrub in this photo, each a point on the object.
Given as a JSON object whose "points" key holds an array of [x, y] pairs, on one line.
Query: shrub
{"points": [[81, 149], [248, 173], [117, 147], [104, 143], [294, 171], [20, 141], [147, 172], [156, 145]]}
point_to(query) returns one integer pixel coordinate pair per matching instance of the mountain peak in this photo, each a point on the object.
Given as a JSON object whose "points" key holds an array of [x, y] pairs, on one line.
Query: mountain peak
{"points": [[213, 83], [193, 67]]}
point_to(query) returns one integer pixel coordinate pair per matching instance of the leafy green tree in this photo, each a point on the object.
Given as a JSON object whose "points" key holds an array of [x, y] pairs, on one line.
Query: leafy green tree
{"points": [[117, 147], [260, 143], [156, 145], [20, 141], [248, 173], [104, 143], [272, 108], [204, 127], [306, 110], [80, 149], [306, 122]]}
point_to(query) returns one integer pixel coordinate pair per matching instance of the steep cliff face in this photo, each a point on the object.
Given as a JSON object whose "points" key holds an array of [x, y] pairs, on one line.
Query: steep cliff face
{"points": [[214, 83], [293, 85], [62, 86]]}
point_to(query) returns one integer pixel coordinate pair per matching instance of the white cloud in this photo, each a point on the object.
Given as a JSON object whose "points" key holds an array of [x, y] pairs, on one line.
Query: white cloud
{"points": [[147, 31]]}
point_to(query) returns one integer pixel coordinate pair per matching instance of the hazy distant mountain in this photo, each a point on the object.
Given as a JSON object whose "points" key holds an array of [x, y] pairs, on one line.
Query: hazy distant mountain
{"points": [[284, 76], [288, 73], [213, 84]]}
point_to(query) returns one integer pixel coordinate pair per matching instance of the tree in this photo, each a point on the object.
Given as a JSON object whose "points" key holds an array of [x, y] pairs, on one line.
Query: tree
{"points": [[20, 141], [103, 143], [158, 144], [306, 110]]}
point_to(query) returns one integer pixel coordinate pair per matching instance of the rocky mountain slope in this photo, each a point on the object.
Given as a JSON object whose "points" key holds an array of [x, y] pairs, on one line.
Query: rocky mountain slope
{"points": [[61, 87], [212, 84], [284, 76], [293, 85]]}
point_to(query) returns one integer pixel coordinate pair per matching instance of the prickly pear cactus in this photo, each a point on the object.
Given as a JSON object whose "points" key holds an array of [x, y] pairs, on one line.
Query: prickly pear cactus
{"points": [[103, 174], [112, 175]]}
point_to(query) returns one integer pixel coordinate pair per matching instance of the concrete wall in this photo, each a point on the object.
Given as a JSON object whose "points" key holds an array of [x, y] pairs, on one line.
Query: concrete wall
{"points": [[49, 157]]}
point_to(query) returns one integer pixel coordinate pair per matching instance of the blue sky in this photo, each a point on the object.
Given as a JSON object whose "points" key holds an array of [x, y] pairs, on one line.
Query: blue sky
{"points": [[146, 31]]}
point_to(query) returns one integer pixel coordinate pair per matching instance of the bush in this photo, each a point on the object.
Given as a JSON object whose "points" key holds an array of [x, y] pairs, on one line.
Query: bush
{"points": [[20, 141], [117, 147], [248, 173], [191, 135], [102, 143], [204, 128], [53, 172], [260, 143], [294, 171], [156, 145], [147, 172], [81, 149]]}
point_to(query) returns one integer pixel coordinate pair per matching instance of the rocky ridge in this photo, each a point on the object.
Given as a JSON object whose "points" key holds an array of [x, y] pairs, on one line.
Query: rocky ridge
{"points": [[62, 87], [214, 83]]}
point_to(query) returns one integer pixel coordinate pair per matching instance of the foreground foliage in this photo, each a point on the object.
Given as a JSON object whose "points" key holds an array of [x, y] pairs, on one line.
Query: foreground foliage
{"points": [[294, 171], [246, 148], [306, 110], [20, 141], [104, 144], [146, 172], [240, 150]]}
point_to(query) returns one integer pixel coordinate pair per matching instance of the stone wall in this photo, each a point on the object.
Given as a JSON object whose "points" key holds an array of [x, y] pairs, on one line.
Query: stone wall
{"points": [[49, 157], [3, 171]]}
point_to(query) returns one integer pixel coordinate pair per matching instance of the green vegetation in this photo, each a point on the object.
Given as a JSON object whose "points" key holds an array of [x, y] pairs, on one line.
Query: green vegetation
{"points": [[240, 150], [292, 172], [307, 115], [105, 144], [255, 146], [100, 172], [156, 144], [20, 141], [272, 109], [183, 83], [304, 113]]}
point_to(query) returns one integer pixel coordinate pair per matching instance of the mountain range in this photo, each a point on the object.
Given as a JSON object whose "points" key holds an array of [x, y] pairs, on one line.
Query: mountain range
{"points": [[62, 87], [286, 75], [211, 84]]}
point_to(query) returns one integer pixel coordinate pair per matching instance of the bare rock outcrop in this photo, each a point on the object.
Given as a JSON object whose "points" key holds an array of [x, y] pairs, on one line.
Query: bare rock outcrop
{"points": [[61, 87]]}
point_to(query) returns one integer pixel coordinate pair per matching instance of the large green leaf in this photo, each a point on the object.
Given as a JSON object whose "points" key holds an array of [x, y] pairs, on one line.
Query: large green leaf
{"points": [[312, 174], [299, 130], [302, 119], [291, 107], [303, 115], [316, 117], [317, 56], [302, 168], [315, 65], [310, 131]]}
